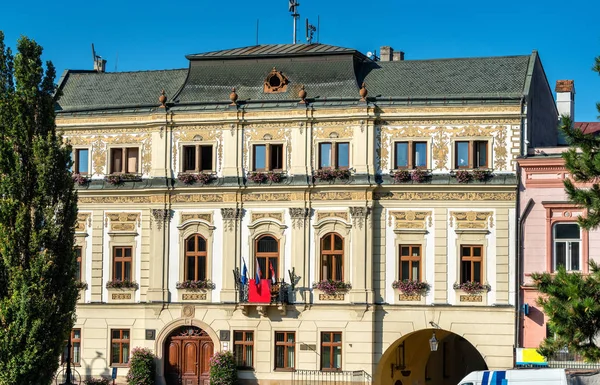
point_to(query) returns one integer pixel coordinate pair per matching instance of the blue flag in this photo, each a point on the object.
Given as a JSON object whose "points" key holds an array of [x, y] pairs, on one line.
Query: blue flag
{"points": [[244, 277]]}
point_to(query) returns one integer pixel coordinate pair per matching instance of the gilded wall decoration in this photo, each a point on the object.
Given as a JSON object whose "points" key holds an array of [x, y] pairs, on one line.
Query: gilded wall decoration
{"points": [[267, 197], [471, 219], [275, 132], [98, 157], [120, 199], [184, 217], [411, 219], [195, 198], [230, 217], [332, 214], [83, 221], [122, 221], [160, 216], [445, 196], [441, 137], [298, 215], [331, 196], [359, 214], [265, 215], [206, 133]]}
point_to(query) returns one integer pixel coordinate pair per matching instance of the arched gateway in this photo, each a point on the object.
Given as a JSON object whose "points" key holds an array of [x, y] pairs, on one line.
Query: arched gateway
{"points": [[410, 359], [187, 353]]}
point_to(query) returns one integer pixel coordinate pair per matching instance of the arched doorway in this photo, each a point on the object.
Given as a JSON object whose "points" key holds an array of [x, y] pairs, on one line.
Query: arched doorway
{"points": [[187, 353], [411, 361]]}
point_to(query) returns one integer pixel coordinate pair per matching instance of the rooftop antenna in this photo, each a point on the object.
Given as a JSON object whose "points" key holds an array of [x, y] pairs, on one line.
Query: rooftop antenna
{"points": [[318, 28], [373, 55], [310, 30], [116, 61], [256, 31], [99, 63], [293, 8]]}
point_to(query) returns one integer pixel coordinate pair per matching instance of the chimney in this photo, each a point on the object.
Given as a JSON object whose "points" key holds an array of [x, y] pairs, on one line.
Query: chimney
{"points": [[398, 56], [386, 53], [99, 64], [565, 102]]}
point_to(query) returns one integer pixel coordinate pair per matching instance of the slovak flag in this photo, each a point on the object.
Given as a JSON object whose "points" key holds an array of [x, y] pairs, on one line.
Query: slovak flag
{"points": [[244, 277], [273, 278], [258, 273]]}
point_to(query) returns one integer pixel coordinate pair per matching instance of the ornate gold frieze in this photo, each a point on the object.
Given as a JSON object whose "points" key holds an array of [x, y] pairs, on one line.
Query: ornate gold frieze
{"points": [[123, 221], [410, 219], [332, 214], [196, 134], [445, 196], [83, 220], [331, 196], [208, 217], [122, 199], [471, 219], [193, 296], [267, 197], [405, 297], [265, 215], [276, 133], [121, 296], [471, 298], [193, 198], [331, 297]]}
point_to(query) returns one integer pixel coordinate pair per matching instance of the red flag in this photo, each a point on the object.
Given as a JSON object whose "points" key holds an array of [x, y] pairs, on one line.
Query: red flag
{"points": [[273, 278]]}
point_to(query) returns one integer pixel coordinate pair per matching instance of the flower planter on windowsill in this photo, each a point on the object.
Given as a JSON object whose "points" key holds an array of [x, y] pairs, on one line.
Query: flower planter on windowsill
{"points": [[82, 286], [268, 177], [121, 291], [331, 175], [471, 293], [119, 179], [195, 290], [190, 178]]}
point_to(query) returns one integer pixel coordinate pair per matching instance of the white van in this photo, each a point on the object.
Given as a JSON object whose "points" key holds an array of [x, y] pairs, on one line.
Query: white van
{"points": [[516, 376]]}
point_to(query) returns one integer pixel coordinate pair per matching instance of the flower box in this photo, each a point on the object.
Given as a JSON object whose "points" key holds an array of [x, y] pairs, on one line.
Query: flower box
{"points": [[264, 177], [121, 291], [203, 284], [331, 174], [411, 288], [118, 284], [117, 179], [191, 178], [471, 287], [479, 175], [81, 180], [331, 287]]}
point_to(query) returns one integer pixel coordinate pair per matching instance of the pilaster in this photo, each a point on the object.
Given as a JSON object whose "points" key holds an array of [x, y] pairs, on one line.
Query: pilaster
{"points": [[231, 229], [160, 143], [300, 252], [440, 294], [97, 255], [158, 257], [300, 160], [361, 276], [232, 145]]}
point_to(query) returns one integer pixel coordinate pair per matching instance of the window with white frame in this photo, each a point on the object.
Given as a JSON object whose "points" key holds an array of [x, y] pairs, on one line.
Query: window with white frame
{"points": [[566, 242], [334, 155]]}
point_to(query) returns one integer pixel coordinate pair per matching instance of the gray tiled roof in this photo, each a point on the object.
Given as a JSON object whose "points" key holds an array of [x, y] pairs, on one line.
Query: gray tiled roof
{"points": [[272, 50], [449, 78], [90, 90]]}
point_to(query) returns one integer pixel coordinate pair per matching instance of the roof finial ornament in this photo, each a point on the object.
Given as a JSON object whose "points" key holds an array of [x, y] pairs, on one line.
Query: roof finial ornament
{"points": [[163, 99], [302, 95], [233, 96], [363, 92]]}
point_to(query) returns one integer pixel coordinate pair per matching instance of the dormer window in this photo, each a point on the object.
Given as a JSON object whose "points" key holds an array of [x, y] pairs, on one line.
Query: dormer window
{"points": [[275, 82]]}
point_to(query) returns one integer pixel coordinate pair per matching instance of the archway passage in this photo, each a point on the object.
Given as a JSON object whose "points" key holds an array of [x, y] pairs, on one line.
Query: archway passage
{"points": [[409, 360], [187, 353]]}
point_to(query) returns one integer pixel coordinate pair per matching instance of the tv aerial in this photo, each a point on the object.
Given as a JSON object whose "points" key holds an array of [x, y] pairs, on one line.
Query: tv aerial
{"points": [[373, 55], [99, 63], [310, 31]]}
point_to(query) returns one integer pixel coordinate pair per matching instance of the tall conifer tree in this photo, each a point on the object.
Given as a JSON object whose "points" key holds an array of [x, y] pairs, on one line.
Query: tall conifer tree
{"points": [[571, 300], [38, 210]]}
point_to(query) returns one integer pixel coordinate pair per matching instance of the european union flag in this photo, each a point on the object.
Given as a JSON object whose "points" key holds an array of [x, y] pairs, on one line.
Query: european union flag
{"points": [[244, 277]]}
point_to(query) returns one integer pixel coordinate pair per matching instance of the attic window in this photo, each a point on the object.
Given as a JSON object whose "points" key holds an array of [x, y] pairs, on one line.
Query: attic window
{"points": [[275, 82]]}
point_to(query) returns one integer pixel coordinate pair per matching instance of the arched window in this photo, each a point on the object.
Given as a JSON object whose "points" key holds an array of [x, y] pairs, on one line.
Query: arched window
{"points": [[195, 258], [332, 257], [267, 254]]}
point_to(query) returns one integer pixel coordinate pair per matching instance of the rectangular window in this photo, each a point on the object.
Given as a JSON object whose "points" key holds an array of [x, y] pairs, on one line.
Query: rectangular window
{"points": [[189, 158], [410, 155], [197, 158], [471, 263], [79, 273], [122, 261], [124, 160], [334, 155], [331, 351], [119, 351], [567, 246], [75, 348], [268, 157], [285, 350], [243, 345], [81, 161], [410, 262], [471, 154]]}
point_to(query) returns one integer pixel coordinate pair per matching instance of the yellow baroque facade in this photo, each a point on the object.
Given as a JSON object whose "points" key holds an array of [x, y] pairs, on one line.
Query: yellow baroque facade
{"points": [[331, 202]]}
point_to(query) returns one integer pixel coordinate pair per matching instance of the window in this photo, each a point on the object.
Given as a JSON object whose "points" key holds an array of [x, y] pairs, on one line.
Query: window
{"points": [[471, 154], [285, 350], [81, 161], [410, 155], [195, 258], [331, 351], [124, 160], [471, 263], [75, 348], [267, 157], [267, 255], [79, 273], [567, 246], [243, 345], [119, 351], [334, 155], [332, 257], [410, 262], [197, 158], [122, 260]]}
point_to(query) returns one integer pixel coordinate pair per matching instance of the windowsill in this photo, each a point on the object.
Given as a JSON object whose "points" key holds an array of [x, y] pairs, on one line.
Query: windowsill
{"points": [[284, 369], [332, 370], [119, 365]]}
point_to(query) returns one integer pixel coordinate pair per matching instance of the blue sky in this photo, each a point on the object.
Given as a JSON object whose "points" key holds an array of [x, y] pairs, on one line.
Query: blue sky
{"points": [[142, 35]]}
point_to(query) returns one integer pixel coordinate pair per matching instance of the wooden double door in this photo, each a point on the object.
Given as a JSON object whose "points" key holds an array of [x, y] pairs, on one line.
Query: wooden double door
{"points": [[188, 351]]}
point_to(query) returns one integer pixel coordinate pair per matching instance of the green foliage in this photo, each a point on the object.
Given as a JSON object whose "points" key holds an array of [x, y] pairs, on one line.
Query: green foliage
{"points": [[572, 303], [38, 209], [142, 367], [223, 370]]}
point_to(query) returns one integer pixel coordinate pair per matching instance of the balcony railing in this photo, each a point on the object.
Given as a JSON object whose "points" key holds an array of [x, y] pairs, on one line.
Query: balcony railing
{"points": [[316, 377], [566, 360]]}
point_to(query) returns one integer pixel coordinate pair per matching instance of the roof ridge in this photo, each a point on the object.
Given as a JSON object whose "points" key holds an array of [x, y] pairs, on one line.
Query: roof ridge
{"points": [[125, 72], [456, 58]]}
